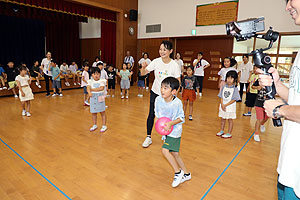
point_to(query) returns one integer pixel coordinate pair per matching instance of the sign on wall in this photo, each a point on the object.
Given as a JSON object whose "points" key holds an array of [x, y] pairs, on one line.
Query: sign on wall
{"points": [[216, 13]]}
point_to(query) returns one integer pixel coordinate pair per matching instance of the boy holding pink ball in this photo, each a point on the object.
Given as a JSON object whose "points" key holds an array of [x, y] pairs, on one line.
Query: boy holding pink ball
{"points": [[168, 105]]}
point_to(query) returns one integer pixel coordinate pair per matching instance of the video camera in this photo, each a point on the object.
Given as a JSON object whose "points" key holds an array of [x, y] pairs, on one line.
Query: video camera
{"points": [[246, 29]]}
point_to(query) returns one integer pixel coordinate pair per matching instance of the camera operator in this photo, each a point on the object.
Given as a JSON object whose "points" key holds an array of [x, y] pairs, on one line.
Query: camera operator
{"points": [[289, 159]]}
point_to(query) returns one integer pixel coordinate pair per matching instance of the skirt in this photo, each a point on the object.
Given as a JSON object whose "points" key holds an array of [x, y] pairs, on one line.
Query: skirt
{"points": [[226, 115], [28, 94], [97, 103]]}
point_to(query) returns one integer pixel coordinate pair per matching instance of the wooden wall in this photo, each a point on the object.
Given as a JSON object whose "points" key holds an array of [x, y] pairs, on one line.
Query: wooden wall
{"points": [[90, 48], [214, 48]]}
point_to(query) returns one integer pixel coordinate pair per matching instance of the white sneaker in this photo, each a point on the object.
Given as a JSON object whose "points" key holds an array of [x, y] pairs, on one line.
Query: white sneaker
{"points": [[16, 96], [147, 142], [1, 88], [86, 103], [126, 97], [54, 94], [112, 96], [220, 133], [190, 117], [256, 138], [103, 129], [122, 97], [60, 94], [4, 88], [177, 178], [200, 94], [186, 177], [36, 83], [147, 88], [94, 127], [78, 83], [262, 128], [39, 86], [23, 112], [66, 83], [74, 83], [28, 114], [226, 136]]}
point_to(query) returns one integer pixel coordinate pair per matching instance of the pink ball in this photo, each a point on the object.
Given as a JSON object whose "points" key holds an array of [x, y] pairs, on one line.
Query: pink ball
{"points": [[160, 125]]}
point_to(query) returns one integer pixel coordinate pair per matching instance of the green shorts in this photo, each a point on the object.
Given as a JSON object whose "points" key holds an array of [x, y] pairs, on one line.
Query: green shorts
{"points": [[12, 84], [173, 144]]}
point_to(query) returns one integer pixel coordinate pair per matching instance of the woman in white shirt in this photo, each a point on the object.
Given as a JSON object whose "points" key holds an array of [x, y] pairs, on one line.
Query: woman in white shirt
{"points": [[199, 66], [163, 67], [245, 70], [45, 64], [145, 58]]}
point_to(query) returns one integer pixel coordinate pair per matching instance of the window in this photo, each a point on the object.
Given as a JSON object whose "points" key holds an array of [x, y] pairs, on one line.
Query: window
{"points": [[289, 44], [243, 46]]}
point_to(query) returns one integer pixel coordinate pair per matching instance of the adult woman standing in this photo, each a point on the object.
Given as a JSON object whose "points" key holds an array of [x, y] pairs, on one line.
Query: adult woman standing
{"points": [[163, 67], [145, 58], [45, 64], [199, 66]]}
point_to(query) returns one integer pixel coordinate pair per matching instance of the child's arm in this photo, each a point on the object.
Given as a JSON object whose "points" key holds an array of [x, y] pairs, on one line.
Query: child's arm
{"points": [[29, 81], [89, 91], [99, 89], [83, 79], [172, 123], [20, 88], [256, 87], [57, 76], [248, 89]]}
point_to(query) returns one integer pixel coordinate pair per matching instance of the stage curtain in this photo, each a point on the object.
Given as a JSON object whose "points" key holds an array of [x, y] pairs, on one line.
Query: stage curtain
{"points": [[108, 42], [22, 40]]}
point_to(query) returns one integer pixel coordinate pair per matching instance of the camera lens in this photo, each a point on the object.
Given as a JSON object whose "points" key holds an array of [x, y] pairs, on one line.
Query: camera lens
{"points": [[267, 60]]}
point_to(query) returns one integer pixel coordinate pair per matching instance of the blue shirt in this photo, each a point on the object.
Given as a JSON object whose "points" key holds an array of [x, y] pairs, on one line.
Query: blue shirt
{"points": [[1, 70], [173, 110], [55, 72]]}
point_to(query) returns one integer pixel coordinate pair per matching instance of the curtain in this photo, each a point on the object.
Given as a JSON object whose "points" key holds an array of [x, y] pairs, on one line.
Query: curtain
{"points": [[22, 40], [108, 42]]}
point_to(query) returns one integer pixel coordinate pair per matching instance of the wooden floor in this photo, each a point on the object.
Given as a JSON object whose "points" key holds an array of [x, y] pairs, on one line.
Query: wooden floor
{"points": [[112, 166]]}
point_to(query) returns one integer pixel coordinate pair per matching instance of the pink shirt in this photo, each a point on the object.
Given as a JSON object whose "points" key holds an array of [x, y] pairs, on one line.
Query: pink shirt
{"points": [[85, 75]]}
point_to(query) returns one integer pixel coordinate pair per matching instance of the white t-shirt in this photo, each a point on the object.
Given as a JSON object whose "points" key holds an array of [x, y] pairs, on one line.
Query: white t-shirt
{"points": [[46, 64], [245, 70], [148, 61], [289, 157], [224, 71], [129, 59], [199, 68], [103, 74], [85, 75], [162, 71], [97, 84], [72, 68], [64, 68], [95, 63], [23, 80], [180, 64]]}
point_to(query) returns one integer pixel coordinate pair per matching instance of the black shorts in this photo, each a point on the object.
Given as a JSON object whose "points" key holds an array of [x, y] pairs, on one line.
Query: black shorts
{"points": [[33, 74], [111, 84], [250, 99]]}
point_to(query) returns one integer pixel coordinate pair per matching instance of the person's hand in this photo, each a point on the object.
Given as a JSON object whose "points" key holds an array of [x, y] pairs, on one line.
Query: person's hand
{"points": [[23, 94], [247, 90], [223, 107], [144, 64], [168, 126], [269, 106], [266, 80]]}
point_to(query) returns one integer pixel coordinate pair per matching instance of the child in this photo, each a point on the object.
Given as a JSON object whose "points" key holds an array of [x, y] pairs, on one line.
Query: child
{"points": [[11, 72], [168, 105], [55, 78], [35, 72], [130, 68], [189, 85], [84, 82], [251, 93], [112, 81], [141, 82], [95, 89], [2, 77], [73, 71], [125, 75], [227, 64], [229, 94], [25, 92], [261, 115], [64, 71]]}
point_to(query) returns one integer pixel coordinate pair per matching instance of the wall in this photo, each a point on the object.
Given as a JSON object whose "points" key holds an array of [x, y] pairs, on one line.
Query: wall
{"points": [[178, 17], [91, 29]]}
